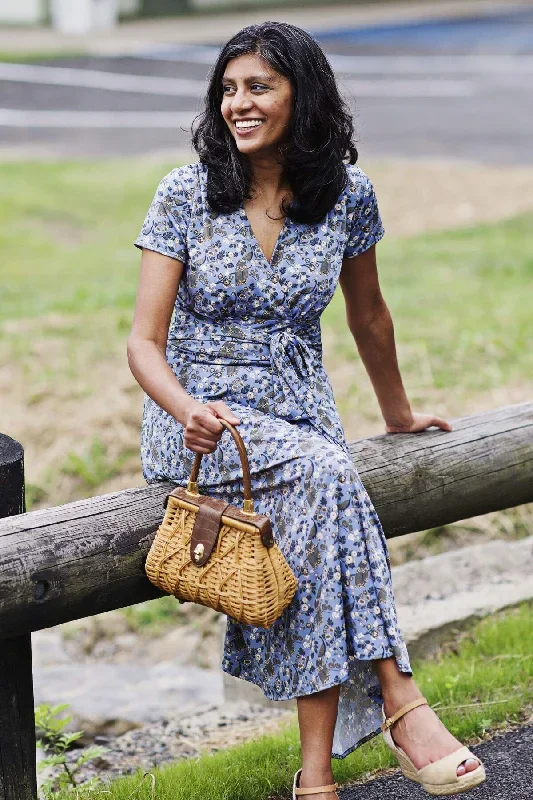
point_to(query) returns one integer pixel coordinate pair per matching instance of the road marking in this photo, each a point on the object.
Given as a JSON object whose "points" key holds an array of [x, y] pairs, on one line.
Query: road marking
{"points": [[95, 79], [186, 87], [27, 118], [407, 88]]}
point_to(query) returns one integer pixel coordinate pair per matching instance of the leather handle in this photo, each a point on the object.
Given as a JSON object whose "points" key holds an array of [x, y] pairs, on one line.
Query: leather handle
{"points": [[192, 487]]}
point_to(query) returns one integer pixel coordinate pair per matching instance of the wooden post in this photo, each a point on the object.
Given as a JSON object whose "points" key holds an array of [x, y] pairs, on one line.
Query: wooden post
{"points": [[18, 772]]}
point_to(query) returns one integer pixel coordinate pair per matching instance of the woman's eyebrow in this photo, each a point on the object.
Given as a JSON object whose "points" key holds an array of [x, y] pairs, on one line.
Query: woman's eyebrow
{"points": [[252, 79]]}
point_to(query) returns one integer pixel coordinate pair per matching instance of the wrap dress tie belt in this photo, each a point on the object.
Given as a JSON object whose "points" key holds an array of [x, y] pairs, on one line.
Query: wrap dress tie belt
{"points": [[293, 353]]}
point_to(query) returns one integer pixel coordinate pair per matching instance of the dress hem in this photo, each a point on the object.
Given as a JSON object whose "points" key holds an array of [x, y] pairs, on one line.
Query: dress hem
{"points": [[293, 696], [360, 742]]}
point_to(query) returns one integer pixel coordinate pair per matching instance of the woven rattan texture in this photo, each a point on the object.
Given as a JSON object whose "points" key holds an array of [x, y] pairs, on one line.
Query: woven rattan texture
{"points": [[242, 578]]}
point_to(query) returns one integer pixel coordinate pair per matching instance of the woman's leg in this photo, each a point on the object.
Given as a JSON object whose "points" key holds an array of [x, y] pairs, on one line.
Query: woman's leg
{"points": [[419, 733], [317, 714]]}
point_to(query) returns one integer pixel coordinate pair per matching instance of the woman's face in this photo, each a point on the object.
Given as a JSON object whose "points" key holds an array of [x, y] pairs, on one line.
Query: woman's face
{"points": [[256, 104]]}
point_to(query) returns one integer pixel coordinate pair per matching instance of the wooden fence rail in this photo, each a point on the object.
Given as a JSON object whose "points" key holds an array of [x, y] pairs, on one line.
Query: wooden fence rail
{"points": [[83, 558]]}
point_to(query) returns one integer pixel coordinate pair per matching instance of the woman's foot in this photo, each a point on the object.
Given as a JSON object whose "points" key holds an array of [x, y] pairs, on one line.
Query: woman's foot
{"points": [[421, 734], [312, 777]]}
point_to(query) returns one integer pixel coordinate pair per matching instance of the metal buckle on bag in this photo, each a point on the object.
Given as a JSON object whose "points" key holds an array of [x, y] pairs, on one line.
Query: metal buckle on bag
{"points": [[199, 551]]}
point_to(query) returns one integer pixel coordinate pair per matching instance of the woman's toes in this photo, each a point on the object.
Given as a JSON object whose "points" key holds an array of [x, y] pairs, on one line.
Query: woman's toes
{"points": [[467, 766]]}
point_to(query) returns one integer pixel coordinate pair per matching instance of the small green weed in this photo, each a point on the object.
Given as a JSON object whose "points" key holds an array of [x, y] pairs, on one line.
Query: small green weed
{"points": [[96, 466], [55, 742]]}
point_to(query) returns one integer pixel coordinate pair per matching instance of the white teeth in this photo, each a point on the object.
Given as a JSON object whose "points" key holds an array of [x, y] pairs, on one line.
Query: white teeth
{"points": [[248, 123]]}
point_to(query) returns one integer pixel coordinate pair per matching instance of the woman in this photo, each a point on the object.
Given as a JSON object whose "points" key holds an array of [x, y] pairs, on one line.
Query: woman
{"points": [[246, 248]]}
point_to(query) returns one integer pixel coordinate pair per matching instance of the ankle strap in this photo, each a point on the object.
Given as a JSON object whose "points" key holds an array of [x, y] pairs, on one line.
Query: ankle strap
{"points": [[317, 789], [389, 722]]}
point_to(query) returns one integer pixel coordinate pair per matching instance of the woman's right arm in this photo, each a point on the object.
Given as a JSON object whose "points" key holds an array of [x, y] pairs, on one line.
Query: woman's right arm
{"points": [[158, 286]]}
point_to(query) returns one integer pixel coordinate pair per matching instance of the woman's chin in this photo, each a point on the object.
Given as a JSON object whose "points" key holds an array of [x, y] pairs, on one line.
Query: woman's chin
{"points": [[254, 148], [248, 145]]}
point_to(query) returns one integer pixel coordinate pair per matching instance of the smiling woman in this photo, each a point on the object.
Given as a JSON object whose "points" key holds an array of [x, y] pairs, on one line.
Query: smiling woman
{"points": [[242, 252], [275, 75]]}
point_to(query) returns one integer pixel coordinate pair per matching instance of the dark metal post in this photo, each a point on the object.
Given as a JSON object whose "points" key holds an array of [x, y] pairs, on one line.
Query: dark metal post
{"points": [[18, 772]]}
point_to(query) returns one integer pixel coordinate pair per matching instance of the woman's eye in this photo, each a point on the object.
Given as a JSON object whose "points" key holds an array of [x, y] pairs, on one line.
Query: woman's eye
{"points": [[255, 87]]}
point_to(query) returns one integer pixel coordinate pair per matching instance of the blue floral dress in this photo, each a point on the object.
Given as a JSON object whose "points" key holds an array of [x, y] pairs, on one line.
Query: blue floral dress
{"points": [[247, 330]]}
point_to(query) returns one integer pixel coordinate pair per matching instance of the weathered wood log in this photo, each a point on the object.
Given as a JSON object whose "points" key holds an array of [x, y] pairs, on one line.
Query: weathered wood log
{"points": [[86, 557], [18, 773], [424, 480]]}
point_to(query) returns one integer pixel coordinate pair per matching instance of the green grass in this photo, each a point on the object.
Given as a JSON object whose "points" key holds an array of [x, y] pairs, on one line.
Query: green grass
{"points": [[67, 232], [155, 616], [95, 466], [459, 299], [460, 303], [478, 685]]}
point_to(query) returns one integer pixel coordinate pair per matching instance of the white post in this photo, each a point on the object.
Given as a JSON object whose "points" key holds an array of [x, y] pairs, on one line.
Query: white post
{"points": [[83, 16]]}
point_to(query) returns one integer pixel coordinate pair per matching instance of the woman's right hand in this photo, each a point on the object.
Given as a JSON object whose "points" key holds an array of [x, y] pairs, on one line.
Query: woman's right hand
{"points": [[201, 430]]}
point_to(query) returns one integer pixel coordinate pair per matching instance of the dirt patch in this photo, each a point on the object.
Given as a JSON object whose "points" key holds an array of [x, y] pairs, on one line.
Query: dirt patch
{"points": [[72, 402], [419, 196]]}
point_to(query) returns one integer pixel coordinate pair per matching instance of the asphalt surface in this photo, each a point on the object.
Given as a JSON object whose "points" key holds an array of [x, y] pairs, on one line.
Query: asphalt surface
{"points": [[456, 89], [508, 761]]}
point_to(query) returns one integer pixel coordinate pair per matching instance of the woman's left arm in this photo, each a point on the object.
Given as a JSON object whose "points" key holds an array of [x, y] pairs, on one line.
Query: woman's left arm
{"points": [[371, 325]]}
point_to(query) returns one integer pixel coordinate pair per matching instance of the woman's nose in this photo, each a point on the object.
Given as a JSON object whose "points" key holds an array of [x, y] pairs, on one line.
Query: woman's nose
{"points": [[241, 101]]}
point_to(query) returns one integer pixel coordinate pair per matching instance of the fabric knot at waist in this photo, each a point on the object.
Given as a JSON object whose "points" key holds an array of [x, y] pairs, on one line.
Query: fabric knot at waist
{"points": [[293, 352], [297, 348]]}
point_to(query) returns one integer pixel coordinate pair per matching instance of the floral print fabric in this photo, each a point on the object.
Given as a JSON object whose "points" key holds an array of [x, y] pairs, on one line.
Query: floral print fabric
{"points": [[247, 330]]}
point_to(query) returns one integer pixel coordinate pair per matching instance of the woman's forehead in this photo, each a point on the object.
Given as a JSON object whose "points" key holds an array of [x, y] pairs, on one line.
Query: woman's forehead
{"points": [[250, 66]]}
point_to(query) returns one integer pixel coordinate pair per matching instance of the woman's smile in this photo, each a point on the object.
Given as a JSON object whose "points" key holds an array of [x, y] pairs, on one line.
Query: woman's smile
{"points": [[245, 127]]}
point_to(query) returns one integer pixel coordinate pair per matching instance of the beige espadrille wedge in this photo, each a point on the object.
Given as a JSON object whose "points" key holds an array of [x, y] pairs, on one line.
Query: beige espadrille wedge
{"points": [[297, 792], [439, 778]]}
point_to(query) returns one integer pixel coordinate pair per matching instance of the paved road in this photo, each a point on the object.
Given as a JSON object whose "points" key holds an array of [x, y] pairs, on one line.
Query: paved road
{"points": [[508, 762], [457, 89]]}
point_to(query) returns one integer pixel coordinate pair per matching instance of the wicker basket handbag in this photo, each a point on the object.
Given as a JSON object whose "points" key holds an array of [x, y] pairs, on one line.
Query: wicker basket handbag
{"points": [[209, 552]]}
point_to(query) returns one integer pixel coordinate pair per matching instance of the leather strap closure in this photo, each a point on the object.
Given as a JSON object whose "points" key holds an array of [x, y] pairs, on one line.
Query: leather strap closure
{"points": [[317, 789], [389, 722], [259, 521], [205, 532]]}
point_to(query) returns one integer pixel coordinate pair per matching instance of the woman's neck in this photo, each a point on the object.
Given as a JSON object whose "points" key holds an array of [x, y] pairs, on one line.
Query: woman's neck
{"points": [[267, 176]]}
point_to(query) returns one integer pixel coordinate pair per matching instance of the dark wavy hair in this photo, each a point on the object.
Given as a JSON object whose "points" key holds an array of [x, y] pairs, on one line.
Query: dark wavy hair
{"points": [[320, 137]]}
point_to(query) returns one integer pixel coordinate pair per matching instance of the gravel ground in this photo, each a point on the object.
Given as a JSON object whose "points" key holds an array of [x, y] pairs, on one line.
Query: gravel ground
{"points": [[169, 740], [508, 762]]}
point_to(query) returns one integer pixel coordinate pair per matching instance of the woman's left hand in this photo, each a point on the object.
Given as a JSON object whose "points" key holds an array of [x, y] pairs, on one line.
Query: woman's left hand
{"points": [[419, 422]]}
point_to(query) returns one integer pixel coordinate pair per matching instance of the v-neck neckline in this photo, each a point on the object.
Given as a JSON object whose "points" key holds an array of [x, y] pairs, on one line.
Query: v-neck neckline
{"points": [[255, 240]]}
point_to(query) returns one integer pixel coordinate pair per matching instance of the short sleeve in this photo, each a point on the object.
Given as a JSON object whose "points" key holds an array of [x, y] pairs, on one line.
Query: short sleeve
{"points": [[363, 222], [165, 226]]}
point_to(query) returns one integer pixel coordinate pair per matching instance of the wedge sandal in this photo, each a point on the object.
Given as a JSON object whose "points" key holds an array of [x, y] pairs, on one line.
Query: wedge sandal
{"points": [[439, 778], [297, 792]]}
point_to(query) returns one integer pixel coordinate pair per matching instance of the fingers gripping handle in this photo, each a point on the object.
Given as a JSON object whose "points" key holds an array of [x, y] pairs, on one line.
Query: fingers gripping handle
{"points": [[192, 486]]}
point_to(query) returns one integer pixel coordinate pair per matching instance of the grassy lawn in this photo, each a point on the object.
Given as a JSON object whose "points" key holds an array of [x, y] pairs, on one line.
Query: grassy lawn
{"points": [[460, 301], [477, 685], [457, 297]]}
